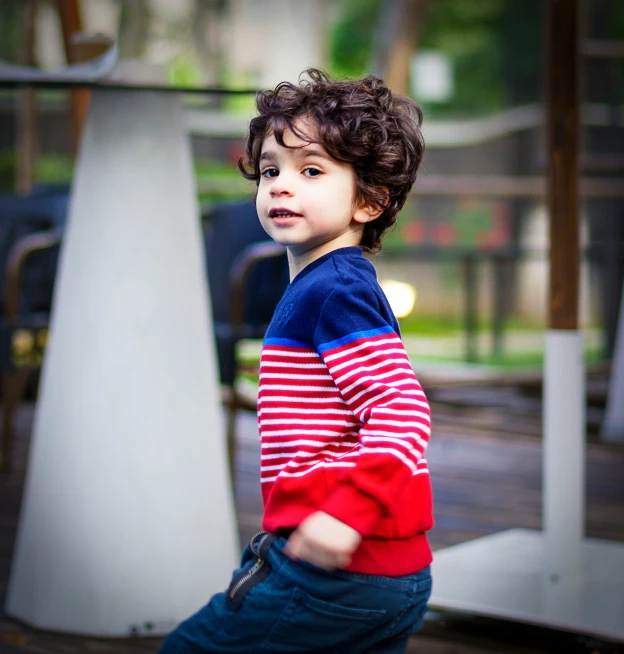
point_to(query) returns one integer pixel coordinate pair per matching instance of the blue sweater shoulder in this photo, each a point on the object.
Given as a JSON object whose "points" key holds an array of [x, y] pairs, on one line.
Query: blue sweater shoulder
{"points": [[332, 298]]}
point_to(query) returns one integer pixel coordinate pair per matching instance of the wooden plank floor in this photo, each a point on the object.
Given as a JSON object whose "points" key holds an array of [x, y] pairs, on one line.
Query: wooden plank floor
{"points": [[484, 481]]}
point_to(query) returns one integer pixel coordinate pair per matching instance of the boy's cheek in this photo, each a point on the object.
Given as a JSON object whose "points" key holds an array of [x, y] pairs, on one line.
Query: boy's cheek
{"points": [[260, 203]]}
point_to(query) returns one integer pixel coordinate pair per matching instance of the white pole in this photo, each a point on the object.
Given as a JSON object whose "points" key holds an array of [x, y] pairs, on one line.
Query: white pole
{"points": [[564, 453], [127, 523]]}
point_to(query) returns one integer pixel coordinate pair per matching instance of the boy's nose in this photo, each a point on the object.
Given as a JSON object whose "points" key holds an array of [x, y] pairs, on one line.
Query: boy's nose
{"points": [[282, 186], [281, 192]]}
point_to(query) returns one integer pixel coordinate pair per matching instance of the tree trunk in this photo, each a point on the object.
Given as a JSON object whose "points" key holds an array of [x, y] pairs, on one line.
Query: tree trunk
{"points": [[133, 29], [397, 42], [207, 36]]}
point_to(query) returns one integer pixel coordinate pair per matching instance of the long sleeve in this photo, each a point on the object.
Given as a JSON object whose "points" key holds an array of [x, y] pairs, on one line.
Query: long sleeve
{"points": [[368, 363]]}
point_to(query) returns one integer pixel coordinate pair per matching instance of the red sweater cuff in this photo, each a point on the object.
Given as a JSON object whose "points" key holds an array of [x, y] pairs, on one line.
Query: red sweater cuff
{"points": [[354, 508]]}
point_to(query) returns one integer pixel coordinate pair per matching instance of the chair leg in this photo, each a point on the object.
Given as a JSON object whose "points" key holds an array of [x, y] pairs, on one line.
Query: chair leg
{"points": [[231, 436], [13, 387]]}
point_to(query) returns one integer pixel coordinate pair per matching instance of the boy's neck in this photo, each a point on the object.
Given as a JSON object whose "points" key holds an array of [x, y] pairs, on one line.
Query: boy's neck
{"points": [[298, 260]]}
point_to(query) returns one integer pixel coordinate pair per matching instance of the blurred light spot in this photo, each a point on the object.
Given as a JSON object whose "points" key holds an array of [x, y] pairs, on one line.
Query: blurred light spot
{"points": [[431, 76], [22, 342], [401, 296]]}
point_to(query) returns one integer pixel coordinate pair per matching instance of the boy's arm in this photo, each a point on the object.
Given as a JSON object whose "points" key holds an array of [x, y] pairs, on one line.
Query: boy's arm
{"points": [[368, 363]]}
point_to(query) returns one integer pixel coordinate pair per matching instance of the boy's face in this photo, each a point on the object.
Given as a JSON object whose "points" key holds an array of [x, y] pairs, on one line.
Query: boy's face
{"points": [[305, 198]]}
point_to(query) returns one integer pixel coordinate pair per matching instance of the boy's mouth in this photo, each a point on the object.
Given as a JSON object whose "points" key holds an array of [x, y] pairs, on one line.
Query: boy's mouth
{"points": [[283, 213]]}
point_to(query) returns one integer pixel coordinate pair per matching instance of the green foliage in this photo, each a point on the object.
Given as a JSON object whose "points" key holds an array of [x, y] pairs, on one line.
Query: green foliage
{"points": [[216, 168], [493, 46], [239, 104], [459, 28], [615, 25], [9, 30], [227, 172], [393, 241], [510, 360], [470, 222], [352, 37], [468, 33], [54, 168], [48, 168], [184, 71], [417, 324], [7, 170], [522, 50]]}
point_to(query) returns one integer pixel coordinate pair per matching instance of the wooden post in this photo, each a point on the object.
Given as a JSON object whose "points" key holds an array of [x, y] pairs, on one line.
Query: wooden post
{"points": [[71, 23], [562, 148], [26, 133], [471, 306], [500, 276], [564, 371]]}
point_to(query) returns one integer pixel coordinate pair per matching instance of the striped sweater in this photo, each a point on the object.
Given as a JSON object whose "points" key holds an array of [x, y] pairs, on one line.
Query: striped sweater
{"points": [[344, 423]]}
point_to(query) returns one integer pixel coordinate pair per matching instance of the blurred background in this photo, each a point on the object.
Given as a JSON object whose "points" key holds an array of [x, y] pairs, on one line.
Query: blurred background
{"points": [[471, 241], [466, 268]]}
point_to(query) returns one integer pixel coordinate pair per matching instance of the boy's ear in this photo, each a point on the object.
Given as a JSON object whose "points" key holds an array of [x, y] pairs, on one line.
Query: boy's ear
{"points": [[366, 212]]}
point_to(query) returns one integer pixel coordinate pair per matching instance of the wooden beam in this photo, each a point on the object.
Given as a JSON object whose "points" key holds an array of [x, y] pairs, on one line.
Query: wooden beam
{"points": [[562, 128], [602, 49], [71, 23], [602, 162]]}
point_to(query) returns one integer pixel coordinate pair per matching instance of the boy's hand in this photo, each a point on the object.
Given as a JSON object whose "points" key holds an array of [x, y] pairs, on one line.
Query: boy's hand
{"points": [[323, 541]]}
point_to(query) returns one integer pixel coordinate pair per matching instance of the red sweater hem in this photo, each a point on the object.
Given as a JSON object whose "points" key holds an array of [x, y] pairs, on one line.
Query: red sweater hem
{"points": [[391, 558]]}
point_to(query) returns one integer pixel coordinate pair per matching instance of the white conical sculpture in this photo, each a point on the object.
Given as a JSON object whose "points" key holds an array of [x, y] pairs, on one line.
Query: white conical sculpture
{"points": [[127, 521]]}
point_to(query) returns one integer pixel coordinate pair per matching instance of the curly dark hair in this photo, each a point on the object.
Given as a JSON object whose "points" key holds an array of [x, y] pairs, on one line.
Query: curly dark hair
{"points": [[359, 122]]}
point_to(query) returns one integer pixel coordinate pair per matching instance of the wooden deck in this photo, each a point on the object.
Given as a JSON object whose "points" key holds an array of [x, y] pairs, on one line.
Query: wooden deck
{"points": [[485, 460]]}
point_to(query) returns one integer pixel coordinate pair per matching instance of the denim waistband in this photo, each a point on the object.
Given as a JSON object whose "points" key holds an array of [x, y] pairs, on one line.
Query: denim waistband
{"points": [[277, 558]]}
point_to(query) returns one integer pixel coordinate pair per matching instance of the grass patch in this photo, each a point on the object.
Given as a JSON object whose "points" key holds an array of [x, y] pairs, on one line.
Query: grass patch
{"points": [[534, 359], [216, 168], [508, 361], [511, 360], [451, 325]]}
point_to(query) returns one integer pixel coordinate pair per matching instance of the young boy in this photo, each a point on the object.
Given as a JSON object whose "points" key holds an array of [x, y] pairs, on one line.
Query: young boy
{"points": [[343, 562]]}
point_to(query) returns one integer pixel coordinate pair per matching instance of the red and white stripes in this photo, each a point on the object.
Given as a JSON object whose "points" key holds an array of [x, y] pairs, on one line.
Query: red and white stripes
{"points": [[376, 380], [304, 423], [361, 398]]}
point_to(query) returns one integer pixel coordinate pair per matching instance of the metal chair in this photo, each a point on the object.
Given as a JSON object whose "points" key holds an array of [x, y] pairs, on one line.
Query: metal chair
{"points": [[30, 233], [248, 275]]}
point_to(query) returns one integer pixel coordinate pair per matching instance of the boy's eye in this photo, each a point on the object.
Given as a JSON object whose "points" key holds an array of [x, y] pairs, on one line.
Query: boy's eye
{"points": [[270, 172], [310, 171]]}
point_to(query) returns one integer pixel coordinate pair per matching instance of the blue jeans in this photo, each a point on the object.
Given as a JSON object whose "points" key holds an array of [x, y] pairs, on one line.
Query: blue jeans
{"points": [[274, 604]]}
